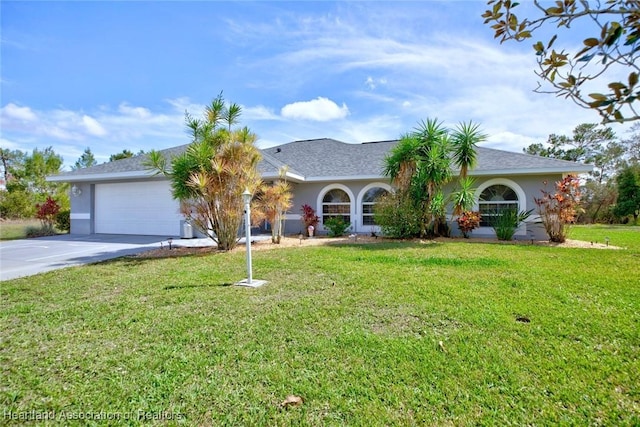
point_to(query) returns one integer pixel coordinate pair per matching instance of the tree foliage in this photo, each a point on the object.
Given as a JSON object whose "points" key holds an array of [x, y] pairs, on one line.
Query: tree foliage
{"points": [[124, 154], [590, 75], [11, 160], [272, 203], [420, 165], [599, 146], [39, 165], [25, 175], [217, 167], [87, 159], [632, 145], [17, 204], [628, 193], [590, 144], [397, 216]]}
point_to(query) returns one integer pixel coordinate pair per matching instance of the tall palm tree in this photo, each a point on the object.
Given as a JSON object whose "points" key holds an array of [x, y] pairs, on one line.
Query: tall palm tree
{"points": [[272, 204], [401, 163], [210, 177], [465, 138], [419, 166]]}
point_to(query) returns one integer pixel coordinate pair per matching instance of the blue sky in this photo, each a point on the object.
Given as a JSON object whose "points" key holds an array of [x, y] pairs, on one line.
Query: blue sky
{"points": [[120, 75]]}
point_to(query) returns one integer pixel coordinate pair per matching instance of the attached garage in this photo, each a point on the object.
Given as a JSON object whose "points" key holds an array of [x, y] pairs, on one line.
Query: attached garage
{"points": [[145, 208]]}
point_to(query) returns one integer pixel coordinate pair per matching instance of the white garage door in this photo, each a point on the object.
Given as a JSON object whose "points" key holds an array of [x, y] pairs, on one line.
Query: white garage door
{"points": [[145, 208]]}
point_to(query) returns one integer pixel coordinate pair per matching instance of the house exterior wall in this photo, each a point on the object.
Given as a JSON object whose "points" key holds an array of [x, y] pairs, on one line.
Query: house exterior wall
{"points": [[82, 209], [528, 186], [83, 204], [311, 193]]}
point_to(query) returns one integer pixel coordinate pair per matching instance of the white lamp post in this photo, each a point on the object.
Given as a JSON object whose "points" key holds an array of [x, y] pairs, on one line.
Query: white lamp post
{"points": [[246, 197]]}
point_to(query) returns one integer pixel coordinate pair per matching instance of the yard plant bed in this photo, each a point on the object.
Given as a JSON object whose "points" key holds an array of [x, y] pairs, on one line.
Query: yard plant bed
{"points": [[395, 333]]}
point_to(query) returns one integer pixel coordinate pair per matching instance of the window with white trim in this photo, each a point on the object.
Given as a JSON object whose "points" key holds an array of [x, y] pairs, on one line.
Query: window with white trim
{"points": [[336, 203], [496, 199], [368, 204]]}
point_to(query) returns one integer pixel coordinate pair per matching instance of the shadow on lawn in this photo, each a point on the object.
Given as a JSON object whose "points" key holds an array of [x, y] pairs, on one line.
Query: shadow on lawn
{"points": [[160, 254]]}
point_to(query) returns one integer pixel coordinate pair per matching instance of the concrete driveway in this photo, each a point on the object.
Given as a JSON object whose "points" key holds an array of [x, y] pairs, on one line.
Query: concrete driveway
{"points": [[20, 258]]}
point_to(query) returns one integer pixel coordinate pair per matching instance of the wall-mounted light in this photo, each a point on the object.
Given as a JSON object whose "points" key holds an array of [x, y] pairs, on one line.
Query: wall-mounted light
{"points": [[75, 190]]}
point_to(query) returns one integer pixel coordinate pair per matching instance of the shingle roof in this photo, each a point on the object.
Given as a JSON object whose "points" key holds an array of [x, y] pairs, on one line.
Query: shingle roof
{"points": [[320, 159]]}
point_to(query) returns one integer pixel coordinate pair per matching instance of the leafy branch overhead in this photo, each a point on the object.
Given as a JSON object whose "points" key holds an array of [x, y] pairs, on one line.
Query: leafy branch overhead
{"points": [[590, 77]]}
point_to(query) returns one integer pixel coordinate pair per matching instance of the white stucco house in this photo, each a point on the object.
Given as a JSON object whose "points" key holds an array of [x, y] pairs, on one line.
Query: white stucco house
{"points": [[335, 178]]}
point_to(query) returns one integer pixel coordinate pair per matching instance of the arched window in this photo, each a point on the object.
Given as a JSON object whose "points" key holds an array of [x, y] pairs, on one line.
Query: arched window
{"points": [[495, 199], [336, 203], [368, 202]]}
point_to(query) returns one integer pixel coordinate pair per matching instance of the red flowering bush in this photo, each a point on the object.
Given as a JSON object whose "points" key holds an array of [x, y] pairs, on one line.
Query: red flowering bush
{"points": [[47, 212], [558, 210], [468, 221], [309, 217]]}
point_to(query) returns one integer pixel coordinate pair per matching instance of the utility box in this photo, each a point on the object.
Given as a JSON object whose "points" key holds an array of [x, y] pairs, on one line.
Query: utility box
{"points": [[187, 231]]}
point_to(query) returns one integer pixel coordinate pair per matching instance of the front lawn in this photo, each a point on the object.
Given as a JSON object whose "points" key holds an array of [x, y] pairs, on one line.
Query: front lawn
{"points": [[11, 229], [382, 334]]}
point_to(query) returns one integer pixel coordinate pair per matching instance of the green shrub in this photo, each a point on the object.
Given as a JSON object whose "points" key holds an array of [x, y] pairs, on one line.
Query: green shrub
{"points": [[16, 204], [42, 231], [336, 226], [63, 220], [397, 217], [506, 221]]}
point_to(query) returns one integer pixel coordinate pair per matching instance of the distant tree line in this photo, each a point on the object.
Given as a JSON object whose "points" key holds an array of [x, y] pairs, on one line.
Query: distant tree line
{"points": [[611, 192], [24, 176]]}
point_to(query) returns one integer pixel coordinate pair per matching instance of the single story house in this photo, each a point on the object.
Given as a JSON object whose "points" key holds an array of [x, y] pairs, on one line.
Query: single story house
{"points": [[335, 178]]}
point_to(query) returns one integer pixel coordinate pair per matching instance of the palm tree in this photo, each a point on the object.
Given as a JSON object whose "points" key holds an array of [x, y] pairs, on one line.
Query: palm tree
{"points": [[273, 202], [463, 198], [465, 138], [210, 177], [419, 166], [401, 163]]}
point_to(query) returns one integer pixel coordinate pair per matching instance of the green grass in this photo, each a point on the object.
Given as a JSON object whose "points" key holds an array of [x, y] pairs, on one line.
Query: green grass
{"points": [[16, 229], [353, 330], [619, 235]]}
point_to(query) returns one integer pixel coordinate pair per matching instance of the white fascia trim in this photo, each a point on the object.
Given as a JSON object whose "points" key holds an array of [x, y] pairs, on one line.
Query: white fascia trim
{"points": [[291, 176], [540, 171], [111, 176], [345, 178]]}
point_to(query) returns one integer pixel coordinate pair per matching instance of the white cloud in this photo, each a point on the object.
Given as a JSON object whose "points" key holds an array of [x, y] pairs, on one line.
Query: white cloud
{"points": [[259, 112], [11, 145], [372, 83], [182, 104], [12, 111], [93, 126], [320, 109], [105, 130], [138, 112]]}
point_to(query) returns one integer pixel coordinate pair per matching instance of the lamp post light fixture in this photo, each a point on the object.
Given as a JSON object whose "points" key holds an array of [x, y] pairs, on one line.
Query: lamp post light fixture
{"points": [[246, 198], [75, 190]]}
